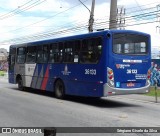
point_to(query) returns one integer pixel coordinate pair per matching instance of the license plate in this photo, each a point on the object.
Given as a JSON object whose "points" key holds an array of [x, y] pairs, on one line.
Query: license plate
{"points": [[130, 84]]}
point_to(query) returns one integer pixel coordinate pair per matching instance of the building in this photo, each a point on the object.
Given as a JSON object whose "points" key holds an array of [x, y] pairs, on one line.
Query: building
{"points": [[3, 54], [3, 59]]}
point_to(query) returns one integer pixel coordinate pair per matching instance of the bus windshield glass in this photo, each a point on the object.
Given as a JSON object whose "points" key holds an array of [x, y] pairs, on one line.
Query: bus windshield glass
{"points": [[130, 44]]}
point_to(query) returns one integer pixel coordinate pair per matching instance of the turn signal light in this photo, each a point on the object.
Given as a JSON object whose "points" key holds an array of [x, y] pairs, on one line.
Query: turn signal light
{"points": [[110, 72], [149, 74]]}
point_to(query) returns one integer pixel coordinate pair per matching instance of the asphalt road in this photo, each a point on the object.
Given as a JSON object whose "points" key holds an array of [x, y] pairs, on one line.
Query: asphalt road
{"points": [[33, 109]]}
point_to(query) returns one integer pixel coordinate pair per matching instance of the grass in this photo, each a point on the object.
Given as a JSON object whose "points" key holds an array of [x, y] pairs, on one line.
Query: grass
{"points": [[2, 73], [152, 92]]}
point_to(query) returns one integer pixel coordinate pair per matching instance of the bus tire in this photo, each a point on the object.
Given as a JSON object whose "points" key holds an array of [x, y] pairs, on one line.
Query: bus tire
{"points": [[59, 89], [20, 84]]}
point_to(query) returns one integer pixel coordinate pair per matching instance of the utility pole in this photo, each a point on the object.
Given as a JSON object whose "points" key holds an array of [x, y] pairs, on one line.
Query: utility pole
{"points": [[158, 18], [121, 17], [91, 19], [113, 15]]}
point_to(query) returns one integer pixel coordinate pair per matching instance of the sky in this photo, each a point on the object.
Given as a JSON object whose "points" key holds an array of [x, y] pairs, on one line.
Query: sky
{"points": [[24, 19]]}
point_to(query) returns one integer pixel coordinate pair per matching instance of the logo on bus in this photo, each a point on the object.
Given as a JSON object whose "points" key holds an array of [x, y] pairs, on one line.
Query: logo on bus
{"points": [[66, 72], [122, 66]]}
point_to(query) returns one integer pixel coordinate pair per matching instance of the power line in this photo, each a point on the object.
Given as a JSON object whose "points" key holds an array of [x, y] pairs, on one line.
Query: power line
{"points": [[139, 6], [12, 11], [21, 9], [104, 24], [49, 18], [46, 18], [31, 25], [65, 31]]}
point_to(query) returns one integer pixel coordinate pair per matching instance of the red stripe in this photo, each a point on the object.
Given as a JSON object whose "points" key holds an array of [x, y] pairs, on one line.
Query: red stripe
{"points": [[45, 79]]}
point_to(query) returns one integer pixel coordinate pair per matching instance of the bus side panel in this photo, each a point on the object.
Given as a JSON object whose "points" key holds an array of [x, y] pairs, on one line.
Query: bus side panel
{"points": [[83, 88], [83, 80], [75, 80], [29, 71], [40, 76], [45, 76]]}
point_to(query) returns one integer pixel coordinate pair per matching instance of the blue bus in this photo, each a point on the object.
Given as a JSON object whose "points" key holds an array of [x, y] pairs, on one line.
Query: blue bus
{"points": [[105, 63]]}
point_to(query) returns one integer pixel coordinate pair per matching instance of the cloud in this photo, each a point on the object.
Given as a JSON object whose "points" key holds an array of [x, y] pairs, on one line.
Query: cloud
{"points": [[54, 15]]}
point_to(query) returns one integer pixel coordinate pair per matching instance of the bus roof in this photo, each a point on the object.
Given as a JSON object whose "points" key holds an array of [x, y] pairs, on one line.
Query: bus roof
{"points": [[80, 36]]}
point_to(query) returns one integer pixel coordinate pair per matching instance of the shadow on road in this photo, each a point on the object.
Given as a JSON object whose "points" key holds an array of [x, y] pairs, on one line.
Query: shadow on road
{"points": [[100, 102], [97, 102]]}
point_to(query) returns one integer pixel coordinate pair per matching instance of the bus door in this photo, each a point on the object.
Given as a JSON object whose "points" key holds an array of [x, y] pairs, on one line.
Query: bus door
{"points": [[11, 61]]}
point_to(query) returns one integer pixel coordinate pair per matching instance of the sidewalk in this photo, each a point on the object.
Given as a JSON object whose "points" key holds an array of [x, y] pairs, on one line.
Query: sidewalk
{"points": [[4, 78], [141, 97]]}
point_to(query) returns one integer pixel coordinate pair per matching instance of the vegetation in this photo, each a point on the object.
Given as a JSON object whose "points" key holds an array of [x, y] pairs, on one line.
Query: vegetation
{"points": [[2, 73], [152, 92]]}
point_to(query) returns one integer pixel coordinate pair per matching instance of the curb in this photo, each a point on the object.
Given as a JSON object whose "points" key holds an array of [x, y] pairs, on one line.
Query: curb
{"points": [[144, 99]]}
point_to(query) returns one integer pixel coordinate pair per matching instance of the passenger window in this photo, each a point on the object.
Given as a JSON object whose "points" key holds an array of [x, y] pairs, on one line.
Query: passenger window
{"points": [[21, 55], [45, 53], [31, 54], [39, 54], [68, 51], [91, 50], [77, 47], [42, 54], [56, 53], [52, 53]]}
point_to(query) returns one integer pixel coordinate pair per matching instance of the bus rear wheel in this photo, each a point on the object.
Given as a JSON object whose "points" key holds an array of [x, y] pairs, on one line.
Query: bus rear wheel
{"points": [[59, 89], [20, 84]]}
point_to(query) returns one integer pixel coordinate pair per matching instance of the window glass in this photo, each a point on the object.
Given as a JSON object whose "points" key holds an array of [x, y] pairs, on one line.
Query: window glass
{"points": [[45, 53], [42, 54], [21, 54], [77, 47], [39, 54], [130, 44], [52, 52], [91, 50], [12, 50], [56, 53], [31, 54], [11, 62], [12, 53], [75, 51], [68, 51]]}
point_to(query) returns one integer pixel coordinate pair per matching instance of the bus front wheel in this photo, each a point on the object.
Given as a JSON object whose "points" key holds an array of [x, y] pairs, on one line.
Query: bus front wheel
{"points": [[59, 89]]}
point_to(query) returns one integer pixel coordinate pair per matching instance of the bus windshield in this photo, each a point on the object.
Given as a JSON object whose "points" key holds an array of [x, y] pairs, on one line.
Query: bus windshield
{"points": [[130, 44]]}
